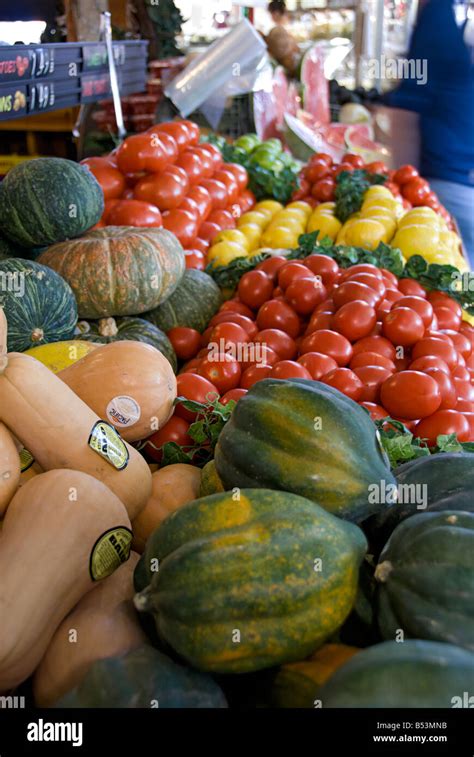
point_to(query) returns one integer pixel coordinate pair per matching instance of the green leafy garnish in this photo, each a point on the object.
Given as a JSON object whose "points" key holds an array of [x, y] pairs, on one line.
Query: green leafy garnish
{"points": [[350, 189], [441, 277], [401, 446]]}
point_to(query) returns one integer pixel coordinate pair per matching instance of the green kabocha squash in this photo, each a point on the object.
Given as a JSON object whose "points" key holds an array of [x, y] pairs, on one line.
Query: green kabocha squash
{"points": [[39, 305], [409, 674], [195, 301], [428, 484], [143, 678], [119, 270], [307, 438], [109, 330], [251, 579], [426, 579], [47, 200]]}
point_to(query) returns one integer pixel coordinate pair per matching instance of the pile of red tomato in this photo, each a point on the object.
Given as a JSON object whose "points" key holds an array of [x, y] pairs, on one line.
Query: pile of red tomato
{"points": [[165, 178], [386, 343]]}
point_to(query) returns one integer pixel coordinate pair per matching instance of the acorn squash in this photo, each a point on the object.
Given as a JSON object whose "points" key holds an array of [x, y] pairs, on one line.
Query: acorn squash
{"points": [[60, 355], [426, 579], [144, 678], [411, 674], [307, 438], [248, 580], [210, 481], [195, 301], [63, 531]]}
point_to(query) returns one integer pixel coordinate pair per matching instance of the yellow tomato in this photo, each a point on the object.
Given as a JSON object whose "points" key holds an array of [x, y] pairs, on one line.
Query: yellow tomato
{"points": [[252, 233], [381, 215], [272, 205], [366, 233], [224, 252], [280, 238], [232, 235], [378, 191], [327, 225], [292, 213], [300, 205], [325, 206], [422, 216], [253, 217], [417, 240], [390, 204], [293, 224]]}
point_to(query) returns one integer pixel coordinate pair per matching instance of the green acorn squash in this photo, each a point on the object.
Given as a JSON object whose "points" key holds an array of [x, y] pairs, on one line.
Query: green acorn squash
{"points": [[47, 200], [39, 305], [249, 579], [143, 678], [195, 301], [428, 484], [109, 330], [426, 579], [119, 270], [210, 481], [409, 674], [307, 438]]}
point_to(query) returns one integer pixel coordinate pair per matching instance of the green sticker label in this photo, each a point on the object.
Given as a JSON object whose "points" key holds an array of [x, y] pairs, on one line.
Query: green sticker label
{"points": [[26, 460], [107, 442], [109, 552]]}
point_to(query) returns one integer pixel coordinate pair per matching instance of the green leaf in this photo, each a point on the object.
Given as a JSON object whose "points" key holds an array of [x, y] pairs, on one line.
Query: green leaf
{"points": [[448, 443]]}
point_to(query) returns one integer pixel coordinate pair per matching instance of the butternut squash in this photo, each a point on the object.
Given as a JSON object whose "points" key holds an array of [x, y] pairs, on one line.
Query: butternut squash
{"points": [[103, 624], [129, 384], [9, 468], [61, 431], [3, 338], [172, 487], [63, 531]]}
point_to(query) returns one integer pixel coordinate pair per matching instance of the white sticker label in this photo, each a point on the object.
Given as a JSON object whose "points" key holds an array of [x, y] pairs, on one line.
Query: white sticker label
{"points": [[123, 411]]}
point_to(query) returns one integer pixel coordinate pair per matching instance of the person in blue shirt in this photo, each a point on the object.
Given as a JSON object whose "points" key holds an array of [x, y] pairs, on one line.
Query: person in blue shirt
{"points": [[444, 38]]}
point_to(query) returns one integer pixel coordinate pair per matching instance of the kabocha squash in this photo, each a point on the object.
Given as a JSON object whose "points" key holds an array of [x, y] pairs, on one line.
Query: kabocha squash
{"points": [[411, 674], [144, 678], [109, 330], [299, 436], [426, 579], [61, 431], [119, 270], [428, 484], [46, 200], [60, 355], [39, 305], [195, 301], [63, 531], [129, 384], [9, 468], [172, 487], [297, 684], [103, 624], [250, 581]]}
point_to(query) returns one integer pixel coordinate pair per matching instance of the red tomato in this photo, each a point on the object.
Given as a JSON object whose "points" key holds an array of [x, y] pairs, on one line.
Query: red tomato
{"points": [[111, 181], [234, 306], [169, 145], [464, 389], [316, 171], [447, 387], [202, 198], [355, 320], [234, 395], [214, 152], [377, 166], [223, 218], [443, 422], [355, 160], [227, 335], [141, 152], [179, 131], [403, 326], [253, 374], [323, 190], [440, 299], [240, 174], [363, 359], [317, 364], [410, 287], [192, 164], [221, 370], [411, 395], [436, 346], [373, 282], [354, 270], [447, 318], [186, 342], [134, 213], [246, 200], [354, 290], [322, 319], [255, 288], [461, 342], [416, 191], [467, 330], [235, 210], [345, 381], [218, 192], [460, 372], [303, 294], [259, 354], [375, 344], [271, 266], [405, 174], [108, 205], [275, 314], [182, 224], [227, 317], [324, 267], [464, 406], [329, 343], [193, 130], [279, 341], [289, 272], [326, 307], [321, 156], [166, 190], [381, 311], [229, 180], [376, 412], [372, 378], [191, 207], [175, 430], [195, 388], [429, 361], [208, 231], [288, 369], [419, 305], [208, 168]]}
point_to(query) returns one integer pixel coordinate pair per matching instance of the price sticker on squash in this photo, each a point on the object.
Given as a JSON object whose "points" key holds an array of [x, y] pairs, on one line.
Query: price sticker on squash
{"points": [[106, 441], [109, 552]]}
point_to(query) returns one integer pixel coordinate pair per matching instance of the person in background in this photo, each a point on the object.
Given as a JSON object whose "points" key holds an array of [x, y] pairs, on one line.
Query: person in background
{"points": [[444, 39], [282, 46], [277, 10]]}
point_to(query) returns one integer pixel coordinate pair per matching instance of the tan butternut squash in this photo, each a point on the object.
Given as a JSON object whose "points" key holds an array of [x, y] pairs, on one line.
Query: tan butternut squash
{"points": [[63, 531], [61, 431], [129, 384], [3, 339], [103, 624], [9, 468], [172, 487]]}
